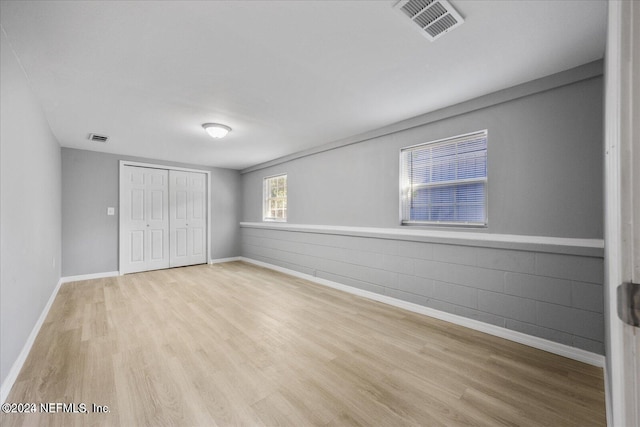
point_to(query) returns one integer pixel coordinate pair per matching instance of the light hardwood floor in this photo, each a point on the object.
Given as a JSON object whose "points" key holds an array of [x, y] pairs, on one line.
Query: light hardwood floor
{"points": [[235, 344]]}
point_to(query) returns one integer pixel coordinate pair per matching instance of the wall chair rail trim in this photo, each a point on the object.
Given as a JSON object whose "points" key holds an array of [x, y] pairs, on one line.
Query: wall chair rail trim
{"points": [[559, 245]]}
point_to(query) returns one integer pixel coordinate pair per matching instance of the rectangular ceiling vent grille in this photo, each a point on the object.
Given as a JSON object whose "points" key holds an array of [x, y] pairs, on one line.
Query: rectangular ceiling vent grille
{"points": [[434, 18], [98, 138]]}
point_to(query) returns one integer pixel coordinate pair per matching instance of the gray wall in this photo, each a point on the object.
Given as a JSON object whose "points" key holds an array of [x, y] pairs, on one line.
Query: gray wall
{"points": [[30, 210], [544, 169], [90, 185], [545, 179]]}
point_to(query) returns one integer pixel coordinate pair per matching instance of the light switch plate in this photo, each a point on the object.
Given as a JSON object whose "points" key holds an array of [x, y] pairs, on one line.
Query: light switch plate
{"points": [[111, 211]]}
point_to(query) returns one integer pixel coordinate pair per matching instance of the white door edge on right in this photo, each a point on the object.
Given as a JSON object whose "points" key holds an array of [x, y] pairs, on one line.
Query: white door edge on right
{"points": [[622, 207]]}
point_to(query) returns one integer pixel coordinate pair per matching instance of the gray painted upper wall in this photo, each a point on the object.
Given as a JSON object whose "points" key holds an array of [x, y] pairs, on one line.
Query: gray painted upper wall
{"points": [[29, 210], [544, 169], [90, 184]]}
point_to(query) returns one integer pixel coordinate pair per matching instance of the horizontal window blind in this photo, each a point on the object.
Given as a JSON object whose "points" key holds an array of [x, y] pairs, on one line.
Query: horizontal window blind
{"points": [[445, 181]]}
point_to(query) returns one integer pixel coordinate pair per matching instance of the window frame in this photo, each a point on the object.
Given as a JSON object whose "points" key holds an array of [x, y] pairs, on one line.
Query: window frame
{"points": [[266, 198], [404, 186]]}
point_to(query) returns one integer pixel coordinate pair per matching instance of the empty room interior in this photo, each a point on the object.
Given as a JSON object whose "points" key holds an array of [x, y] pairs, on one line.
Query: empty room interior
{"points": [[415, 212]]}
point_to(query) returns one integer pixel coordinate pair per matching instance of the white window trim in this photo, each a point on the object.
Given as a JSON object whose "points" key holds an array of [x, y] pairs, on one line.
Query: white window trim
{"points": [[455, 224], [265, 198]]}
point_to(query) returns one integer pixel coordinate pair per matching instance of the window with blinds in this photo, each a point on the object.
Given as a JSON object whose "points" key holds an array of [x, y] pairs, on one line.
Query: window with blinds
{"points": [[274, 206], [445, 182]]}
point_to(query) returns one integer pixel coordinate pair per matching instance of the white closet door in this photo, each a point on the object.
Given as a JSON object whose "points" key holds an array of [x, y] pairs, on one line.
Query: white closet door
{"points": [[145, 221], [187, 218]]}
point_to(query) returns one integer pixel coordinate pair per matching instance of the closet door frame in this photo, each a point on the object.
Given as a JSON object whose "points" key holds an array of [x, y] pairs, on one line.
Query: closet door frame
{"points": [[121, 231]]}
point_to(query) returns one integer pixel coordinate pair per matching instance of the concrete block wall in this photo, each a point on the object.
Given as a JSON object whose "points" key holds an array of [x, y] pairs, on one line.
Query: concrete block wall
{"points": [[553, 295]]}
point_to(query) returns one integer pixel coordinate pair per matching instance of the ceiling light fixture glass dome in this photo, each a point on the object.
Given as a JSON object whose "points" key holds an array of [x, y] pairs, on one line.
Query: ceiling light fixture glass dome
{"points": [[216, 130]]}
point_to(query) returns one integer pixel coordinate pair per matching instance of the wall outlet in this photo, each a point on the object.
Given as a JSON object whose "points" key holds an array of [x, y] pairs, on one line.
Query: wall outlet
{"points": [[111, 211]]}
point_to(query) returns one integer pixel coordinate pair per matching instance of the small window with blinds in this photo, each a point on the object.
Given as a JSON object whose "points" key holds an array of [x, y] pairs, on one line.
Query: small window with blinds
{"points": [[444, 182], [274, 206]]}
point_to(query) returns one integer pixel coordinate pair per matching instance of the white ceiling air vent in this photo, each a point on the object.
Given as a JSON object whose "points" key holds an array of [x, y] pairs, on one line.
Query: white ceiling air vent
{"points": [[97, 138], [433, 17]]}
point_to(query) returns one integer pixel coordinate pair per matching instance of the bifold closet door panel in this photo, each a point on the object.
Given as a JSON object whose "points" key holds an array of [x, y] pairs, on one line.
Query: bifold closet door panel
{"points": [[145, 220], [187, 218]]}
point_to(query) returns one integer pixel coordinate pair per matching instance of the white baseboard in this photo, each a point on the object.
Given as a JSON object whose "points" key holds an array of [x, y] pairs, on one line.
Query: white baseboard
{"points": [[535, 342], [219, 260], [7, 384], [68, 279]]}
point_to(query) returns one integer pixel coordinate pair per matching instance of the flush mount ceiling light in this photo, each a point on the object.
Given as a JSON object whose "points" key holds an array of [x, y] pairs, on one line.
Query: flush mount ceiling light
{"points": [[216, 130]]}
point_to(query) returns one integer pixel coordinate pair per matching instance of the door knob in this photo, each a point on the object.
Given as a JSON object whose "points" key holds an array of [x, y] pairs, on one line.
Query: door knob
{"points": [[629, 303]]}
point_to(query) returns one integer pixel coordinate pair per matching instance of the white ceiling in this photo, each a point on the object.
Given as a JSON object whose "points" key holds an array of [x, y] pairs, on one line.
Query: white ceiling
{"points": [[285, 75]]}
